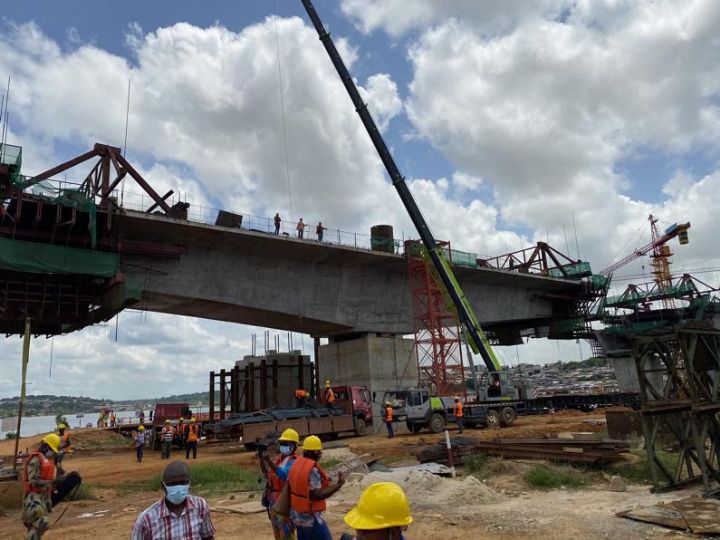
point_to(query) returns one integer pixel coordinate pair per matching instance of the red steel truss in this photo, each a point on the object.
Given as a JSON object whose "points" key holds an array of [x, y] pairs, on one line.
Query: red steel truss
{"points": [[437, 331]]}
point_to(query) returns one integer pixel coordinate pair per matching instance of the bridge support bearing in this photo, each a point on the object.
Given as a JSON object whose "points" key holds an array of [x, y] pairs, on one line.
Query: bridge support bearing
{"points": [[378, 362]]}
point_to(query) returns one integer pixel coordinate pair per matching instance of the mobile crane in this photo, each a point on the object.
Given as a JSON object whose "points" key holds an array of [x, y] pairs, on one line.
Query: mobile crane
{"points": [[498, 383], [497, 400]]}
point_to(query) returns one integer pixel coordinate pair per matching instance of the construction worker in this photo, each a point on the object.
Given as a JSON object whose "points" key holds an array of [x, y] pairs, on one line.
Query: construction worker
{"points": [[277, 220], [178, 514], [139, 441], [458, 412], [65, 448], [181, 432], [38, 478], [192, 438], [329, 395], [382, 513], [166, 437], [309, 487], [301, 398], [388, 417], [276, 473], [300, 228]]}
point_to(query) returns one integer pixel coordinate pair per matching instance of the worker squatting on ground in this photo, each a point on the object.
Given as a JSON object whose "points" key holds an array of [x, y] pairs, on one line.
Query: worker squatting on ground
{"points": [[166, 437], [38, 478], [282, 525], [458, 412], [192, 438], [309, 487], [178, 514], [301, 397], [139, 442], [65, 447], [388, 417], [382, 513]]}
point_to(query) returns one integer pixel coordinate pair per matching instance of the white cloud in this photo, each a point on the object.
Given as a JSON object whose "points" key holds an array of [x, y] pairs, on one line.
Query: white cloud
{"points": [[545, 112], [397, 17]]}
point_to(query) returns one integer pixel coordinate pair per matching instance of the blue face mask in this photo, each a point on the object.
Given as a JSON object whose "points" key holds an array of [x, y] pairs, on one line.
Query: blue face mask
{"points": [[285, 449], [177, 494]]}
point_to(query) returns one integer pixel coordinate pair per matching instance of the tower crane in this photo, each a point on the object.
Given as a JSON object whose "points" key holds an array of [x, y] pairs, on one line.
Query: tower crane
{"points": [[679, 230]]}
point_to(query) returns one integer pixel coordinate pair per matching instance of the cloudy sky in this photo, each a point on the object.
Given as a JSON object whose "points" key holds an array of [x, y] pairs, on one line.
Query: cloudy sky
{"points": [[507, 118]]}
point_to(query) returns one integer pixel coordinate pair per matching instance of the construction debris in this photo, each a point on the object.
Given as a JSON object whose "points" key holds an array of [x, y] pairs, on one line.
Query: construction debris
{"points": [[582, 449], [701, 516]]}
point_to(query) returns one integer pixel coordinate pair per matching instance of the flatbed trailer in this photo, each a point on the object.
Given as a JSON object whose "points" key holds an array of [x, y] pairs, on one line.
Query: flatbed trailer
{"points": [[419, 410], [476, 413], [252, 428]]}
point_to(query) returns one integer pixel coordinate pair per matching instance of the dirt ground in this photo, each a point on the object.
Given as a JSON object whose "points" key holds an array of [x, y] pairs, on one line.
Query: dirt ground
{"points": [[502, 508]]}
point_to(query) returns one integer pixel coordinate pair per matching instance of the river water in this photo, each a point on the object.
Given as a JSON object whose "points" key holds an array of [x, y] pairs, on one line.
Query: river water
{"points": [[34, 425]]}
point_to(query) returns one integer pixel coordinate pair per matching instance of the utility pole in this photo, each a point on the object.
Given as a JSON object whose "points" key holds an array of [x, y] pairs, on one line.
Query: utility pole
{"points": [[21, 405]]}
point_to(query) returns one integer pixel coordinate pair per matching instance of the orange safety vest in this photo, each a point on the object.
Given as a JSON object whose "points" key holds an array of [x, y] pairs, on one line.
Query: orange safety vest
{"points": [[66, 443], [193, 432], [299, 479], [330, 395], [275, 485], [458, 410], [47, 472], [388, 414], [300, 393]]}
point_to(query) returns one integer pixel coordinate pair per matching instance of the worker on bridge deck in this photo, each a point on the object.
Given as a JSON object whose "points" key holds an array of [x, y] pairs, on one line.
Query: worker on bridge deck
{"points": [[193, 436], [458, 413], [309, 487], [301, 397], [382, 513], [276, 473], [388, 417]]}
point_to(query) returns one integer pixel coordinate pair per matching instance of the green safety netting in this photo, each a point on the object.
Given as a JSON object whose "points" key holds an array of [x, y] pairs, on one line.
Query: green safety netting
{"points": [[388, 245], [71, 198], [576, 270], [22, 256], [12, 155]]}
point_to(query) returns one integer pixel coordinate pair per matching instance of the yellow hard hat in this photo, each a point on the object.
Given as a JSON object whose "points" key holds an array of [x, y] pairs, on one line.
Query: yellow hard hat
{"points": [[312, 443], [167, 421], [382, 505], [192, 419], [53, 441], [290, 435], [62, 426], [141, 428], [327, 383]]}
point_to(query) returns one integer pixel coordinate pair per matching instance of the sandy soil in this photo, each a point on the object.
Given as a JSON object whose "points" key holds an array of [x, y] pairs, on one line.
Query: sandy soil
{"points": [[504, 508]]}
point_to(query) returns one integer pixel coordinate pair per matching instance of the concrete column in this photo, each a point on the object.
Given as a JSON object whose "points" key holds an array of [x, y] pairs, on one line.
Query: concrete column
{"points": [[380, 363]]}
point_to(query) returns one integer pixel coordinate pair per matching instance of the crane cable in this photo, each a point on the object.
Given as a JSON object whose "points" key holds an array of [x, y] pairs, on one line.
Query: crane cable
{"points": [[282, 113]]}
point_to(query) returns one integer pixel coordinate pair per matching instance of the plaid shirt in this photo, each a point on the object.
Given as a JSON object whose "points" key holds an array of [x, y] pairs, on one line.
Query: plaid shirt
{"points": [[159, 523]]}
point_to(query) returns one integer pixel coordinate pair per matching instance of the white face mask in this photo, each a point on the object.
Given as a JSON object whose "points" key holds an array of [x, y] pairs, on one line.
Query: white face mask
{"points": [[285, 449]]}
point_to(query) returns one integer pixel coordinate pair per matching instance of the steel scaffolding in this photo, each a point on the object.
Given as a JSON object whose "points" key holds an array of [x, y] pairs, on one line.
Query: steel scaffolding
{"points": [[438, 338], [679, 373]]}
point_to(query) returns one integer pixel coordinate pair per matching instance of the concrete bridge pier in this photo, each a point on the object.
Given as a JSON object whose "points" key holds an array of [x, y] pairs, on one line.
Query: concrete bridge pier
{"points": [[377, 361]]}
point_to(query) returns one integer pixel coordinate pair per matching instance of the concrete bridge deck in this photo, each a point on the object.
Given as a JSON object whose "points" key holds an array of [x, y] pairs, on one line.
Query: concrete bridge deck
{"points": [[321, 289]]}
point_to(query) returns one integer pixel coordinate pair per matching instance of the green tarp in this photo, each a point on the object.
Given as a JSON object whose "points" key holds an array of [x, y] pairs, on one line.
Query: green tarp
{"points": [[38, 258]]}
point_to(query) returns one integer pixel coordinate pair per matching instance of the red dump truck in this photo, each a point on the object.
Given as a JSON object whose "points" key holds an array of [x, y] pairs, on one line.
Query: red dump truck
{"points": [[351, 414]]}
